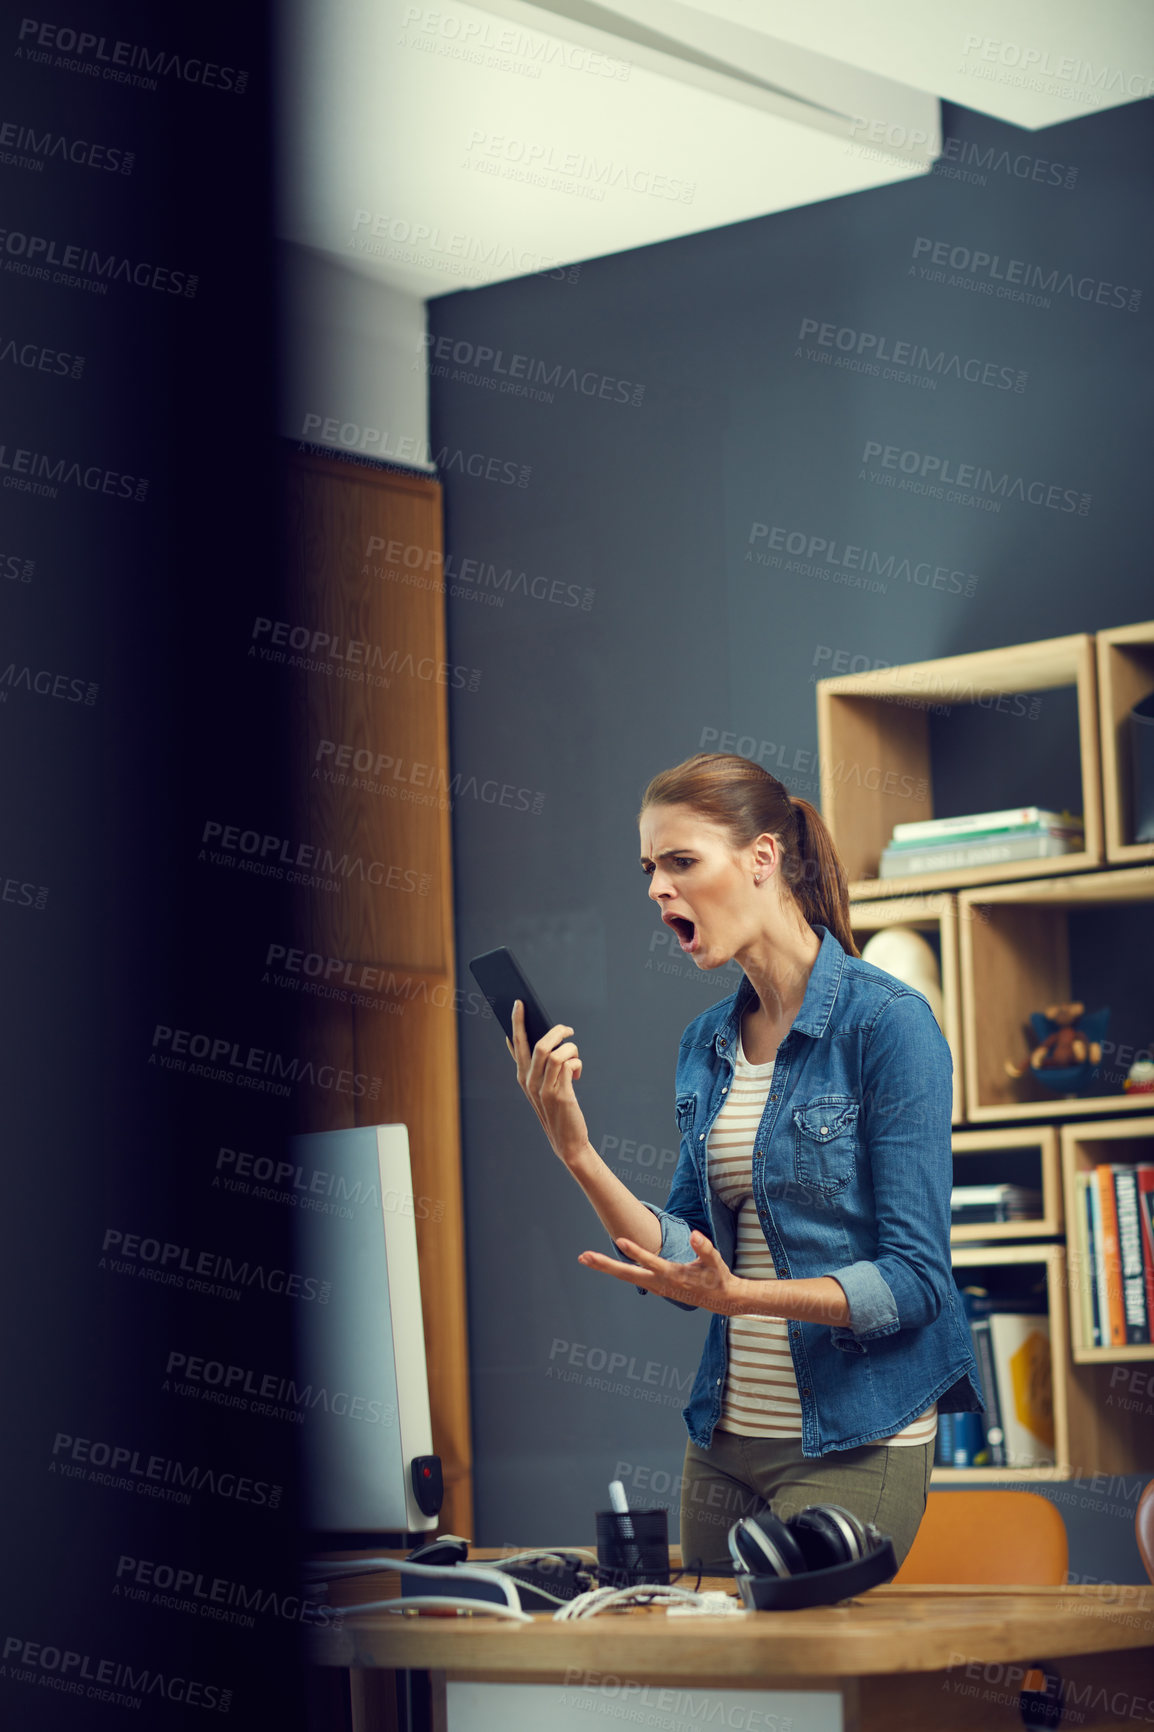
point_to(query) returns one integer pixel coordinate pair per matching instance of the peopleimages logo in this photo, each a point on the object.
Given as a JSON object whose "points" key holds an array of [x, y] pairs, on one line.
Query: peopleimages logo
{"points": [[44, 146], [185, 1267], [47, 684], [118, 61], [937, 474], [814, 554], [38, 358], [252, 1067], [123, 1468], [872, 350], [1019, 278], [27, 471], [183, 1588], [482, 364], [267, 1393], [118, 1682], [31, 255]]}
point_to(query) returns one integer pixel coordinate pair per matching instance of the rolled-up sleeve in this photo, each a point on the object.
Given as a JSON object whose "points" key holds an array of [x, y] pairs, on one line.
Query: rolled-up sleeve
{"points": [[905, 1140]]}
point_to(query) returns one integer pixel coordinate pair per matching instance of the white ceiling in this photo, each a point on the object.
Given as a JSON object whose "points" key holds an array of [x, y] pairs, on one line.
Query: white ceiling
{"points": [[436, 146]]}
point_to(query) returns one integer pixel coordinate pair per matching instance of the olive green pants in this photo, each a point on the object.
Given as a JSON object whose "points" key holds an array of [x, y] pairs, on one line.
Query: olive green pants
{"points": [[740, 1476]]}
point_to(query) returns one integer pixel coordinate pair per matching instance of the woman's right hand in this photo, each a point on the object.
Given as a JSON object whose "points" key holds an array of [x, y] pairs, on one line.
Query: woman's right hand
{"points": [[546, 1075]]}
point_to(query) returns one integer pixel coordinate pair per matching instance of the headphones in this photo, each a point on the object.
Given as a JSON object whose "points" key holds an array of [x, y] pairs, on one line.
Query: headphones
{"points": [[821, 1555]]}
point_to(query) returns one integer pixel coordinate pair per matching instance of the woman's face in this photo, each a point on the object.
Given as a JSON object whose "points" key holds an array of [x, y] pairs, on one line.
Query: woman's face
{"points": [[702, 885]]}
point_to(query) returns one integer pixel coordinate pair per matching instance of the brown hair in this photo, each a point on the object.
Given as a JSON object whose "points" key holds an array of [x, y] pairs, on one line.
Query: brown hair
{"points": [[745, 800]]}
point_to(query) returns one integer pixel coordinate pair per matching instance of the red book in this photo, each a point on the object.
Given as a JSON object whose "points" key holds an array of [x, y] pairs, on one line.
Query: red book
{"points": [[1115, 1318], [1145, 1171]]}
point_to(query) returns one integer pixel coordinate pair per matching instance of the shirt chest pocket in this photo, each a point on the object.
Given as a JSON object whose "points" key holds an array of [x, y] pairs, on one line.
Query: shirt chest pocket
{"points": [[825, 1143]]}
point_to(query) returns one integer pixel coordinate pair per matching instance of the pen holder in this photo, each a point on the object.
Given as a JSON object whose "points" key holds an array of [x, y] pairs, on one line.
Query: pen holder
{"points": [[633, 1548]]}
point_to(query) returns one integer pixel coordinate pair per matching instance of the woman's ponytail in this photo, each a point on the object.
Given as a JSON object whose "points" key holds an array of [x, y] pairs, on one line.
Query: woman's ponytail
{"points": [[816, 875]]}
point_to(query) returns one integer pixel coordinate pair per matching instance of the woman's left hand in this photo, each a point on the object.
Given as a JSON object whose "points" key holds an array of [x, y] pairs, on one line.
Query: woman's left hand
{"points": [[706, 1282]]}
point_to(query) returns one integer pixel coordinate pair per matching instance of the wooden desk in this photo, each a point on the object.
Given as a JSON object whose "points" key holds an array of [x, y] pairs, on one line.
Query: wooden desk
{"points": [[906, 1659]]}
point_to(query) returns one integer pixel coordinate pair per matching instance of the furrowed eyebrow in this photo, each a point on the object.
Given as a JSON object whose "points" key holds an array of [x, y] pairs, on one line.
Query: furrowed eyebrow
{"points": [[666, 854]]}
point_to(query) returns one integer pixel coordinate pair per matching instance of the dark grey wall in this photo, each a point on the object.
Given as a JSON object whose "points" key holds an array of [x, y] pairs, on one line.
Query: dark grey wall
{"points": [[622, 620]]}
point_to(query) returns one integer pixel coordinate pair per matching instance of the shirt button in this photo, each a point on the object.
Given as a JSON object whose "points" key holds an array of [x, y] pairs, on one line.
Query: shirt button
{"points": [[701, 1138], [825, 1130], [806, 1392]]}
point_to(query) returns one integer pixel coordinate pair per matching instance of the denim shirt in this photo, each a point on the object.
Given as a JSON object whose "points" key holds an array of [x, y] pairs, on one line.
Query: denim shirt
{"points": [[852, 1173]]}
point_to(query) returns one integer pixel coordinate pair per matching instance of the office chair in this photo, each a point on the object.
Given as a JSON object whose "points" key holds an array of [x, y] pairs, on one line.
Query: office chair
{"points": [[996, 1537]]}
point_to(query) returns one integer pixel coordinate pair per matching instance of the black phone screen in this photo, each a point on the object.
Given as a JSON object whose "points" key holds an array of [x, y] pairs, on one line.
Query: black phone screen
{"points": [[502, 980]]}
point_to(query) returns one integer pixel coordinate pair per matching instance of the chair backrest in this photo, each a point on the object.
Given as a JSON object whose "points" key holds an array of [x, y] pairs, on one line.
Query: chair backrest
{"points": [[1144, 1528], [1010, 1537]]}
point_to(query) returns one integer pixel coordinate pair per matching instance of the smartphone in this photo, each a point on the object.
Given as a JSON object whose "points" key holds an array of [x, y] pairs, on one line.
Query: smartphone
{"points": [[502, 980]]}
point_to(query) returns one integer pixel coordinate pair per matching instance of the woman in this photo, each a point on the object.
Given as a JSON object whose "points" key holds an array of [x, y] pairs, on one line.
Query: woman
{"points": [[810, 1207]]}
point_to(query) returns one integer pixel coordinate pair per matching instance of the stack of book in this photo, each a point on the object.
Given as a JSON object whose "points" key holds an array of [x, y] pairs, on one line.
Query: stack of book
{"points": [[1011, 1341], [971, 1205], [1111, 1242], [981, 839]]}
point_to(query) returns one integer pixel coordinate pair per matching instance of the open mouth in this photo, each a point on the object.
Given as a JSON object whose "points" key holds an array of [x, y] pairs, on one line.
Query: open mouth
{"points": [[685, 929]]}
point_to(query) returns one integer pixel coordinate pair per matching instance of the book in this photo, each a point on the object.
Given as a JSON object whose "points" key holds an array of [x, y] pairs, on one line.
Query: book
{"points": [[1110, 1261], [1144, 1173], [982, 1195], [936, 829], [977, 1302], [1097, 1263], [968, 838], [975, 1204], [969, 1442], [984, 1358], [1130, 1254], [944, 1447], [1022, 1374], [957, 857], [1083, 1269]]}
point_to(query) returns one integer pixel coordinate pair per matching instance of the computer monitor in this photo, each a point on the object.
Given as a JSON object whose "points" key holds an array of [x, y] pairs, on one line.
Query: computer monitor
{"points": [[360, 1343]]}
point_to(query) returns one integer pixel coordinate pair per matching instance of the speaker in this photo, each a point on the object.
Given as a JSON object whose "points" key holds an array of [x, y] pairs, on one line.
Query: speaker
{"points": [[821, 1555]]}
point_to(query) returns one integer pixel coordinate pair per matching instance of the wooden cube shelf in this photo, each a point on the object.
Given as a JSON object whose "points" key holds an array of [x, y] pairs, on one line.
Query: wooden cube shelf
{"points": [[937, 915], [1092, 1434], [1125, 674], [874, 746], [1016, 1143], [1085, 1146], [1015, 959], [1052, 1259]]}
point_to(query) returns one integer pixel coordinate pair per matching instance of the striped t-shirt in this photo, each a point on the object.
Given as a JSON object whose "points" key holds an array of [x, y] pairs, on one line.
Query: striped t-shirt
{"points": [[761, 1397]]}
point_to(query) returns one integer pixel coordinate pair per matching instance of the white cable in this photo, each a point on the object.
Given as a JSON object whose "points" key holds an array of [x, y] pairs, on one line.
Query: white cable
{"points": [[599, 1600], [423, 1602]]}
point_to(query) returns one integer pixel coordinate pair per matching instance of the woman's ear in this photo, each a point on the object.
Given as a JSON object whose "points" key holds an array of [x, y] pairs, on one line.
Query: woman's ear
{"points": [[766, 851]]}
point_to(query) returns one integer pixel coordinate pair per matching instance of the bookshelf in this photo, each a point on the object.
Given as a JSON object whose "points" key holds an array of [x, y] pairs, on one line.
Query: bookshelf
{"points": [[936, 917], [1094, 1432], [1020, 1155], [1125, 674], [876, 761], [1015, 958], [1008, 936], [1085, 1146]]}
